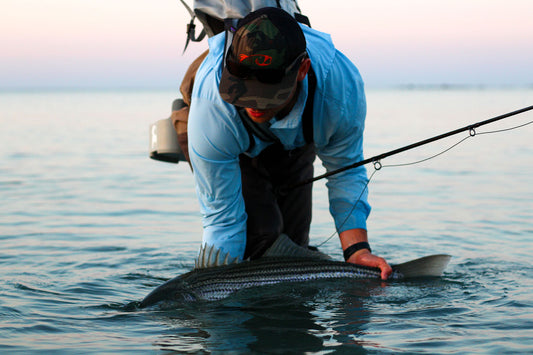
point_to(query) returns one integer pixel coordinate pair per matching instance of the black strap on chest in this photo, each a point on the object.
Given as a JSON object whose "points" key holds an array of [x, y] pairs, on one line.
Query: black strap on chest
{"points": [[261, 130], [307, 118]]}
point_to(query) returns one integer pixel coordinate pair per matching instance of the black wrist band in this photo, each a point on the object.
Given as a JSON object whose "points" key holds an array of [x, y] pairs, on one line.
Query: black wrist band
{"points": [[352, 249]]}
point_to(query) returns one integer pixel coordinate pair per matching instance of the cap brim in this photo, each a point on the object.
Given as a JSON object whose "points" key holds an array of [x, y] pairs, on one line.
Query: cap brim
{"points": [[251, 93]]}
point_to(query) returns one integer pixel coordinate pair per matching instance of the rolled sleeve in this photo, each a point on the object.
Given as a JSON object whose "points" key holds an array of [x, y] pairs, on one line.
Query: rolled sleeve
{"points": [[214, 149], [341, 144]]}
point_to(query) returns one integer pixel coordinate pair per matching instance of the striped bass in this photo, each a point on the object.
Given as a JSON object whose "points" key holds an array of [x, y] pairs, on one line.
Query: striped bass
{"points": [[218, 282]]}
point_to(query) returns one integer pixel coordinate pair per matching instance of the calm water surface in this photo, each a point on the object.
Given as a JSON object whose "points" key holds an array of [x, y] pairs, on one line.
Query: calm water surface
{"points": [[89, 225]]}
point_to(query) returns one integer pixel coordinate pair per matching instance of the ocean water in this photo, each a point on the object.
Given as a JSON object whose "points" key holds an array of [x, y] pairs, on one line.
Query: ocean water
{"points": [[89, 225]]}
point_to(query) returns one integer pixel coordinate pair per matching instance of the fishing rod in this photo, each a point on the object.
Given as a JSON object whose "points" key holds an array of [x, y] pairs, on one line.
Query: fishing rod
{"points": [[376, 159]]}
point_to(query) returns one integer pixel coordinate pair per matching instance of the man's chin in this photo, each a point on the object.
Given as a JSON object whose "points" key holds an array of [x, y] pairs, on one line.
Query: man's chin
{"points": [[258, 116]]}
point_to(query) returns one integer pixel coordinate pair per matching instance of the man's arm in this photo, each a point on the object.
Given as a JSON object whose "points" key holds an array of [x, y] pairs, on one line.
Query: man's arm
{"points": [[214, 147], [363, 256]]}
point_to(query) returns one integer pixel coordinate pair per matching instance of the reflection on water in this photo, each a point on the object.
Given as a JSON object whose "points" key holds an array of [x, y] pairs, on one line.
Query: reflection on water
{"points": [[89, 225], [302, 318]]}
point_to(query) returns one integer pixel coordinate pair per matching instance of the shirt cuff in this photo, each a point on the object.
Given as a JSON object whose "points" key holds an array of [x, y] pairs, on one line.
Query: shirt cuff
{"points": [[230, 240]]}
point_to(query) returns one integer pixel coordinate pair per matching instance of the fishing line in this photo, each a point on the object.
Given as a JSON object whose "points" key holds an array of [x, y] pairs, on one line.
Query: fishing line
{"points": [[429, 158], [472, 133], [354, 205], [378, 166], [506, 129], [471, 128]]}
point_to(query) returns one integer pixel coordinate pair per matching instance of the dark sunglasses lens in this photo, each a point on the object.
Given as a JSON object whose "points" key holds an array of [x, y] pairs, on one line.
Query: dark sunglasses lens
{"points": [[267, 76], [273, 76]]}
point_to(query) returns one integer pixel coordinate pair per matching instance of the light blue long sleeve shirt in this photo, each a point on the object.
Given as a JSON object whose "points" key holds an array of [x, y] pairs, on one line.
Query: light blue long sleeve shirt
{"points": [[217, 137]]}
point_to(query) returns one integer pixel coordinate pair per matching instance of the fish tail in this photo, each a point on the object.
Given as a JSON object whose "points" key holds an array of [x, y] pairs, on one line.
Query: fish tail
{"points": [[428, 266]]}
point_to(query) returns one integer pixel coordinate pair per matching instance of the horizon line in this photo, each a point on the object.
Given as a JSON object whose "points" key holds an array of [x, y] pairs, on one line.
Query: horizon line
{"points": [[404, 86]]}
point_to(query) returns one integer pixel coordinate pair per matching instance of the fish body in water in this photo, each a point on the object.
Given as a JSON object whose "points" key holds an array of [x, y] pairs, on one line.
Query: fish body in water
{"points": [[218, 282]]}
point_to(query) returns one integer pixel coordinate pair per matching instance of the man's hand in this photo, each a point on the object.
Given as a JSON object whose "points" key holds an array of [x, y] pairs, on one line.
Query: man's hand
{"points": [[363, 256]]}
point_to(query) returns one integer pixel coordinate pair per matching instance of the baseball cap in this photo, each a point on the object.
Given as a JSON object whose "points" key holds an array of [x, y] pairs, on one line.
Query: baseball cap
{"points": [[262, 62]]}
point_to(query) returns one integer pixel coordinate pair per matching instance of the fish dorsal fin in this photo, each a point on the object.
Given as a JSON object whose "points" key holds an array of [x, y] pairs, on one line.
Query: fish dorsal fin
{"points": [[210, 256], [284, 246], [427, 266]]}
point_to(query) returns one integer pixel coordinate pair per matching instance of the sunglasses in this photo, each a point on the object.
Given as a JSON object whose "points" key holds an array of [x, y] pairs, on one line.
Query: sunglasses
{"points": [[266, 76]]}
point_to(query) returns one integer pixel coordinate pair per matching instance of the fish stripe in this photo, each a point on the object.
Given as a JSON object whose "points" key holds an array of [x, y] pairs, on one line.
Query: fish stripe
{"points": [[218, 282]]}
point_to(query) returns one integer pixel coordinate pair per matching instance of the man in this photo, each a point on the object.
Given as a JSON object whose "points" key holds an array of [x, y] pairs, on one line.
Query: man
{"points": [[244, 162]]}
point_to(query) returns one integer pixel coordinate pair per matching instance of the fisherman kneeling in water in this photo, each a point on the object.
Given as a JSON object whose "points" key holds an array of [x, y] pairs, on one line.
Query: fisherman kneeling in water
{"points": [[259, 114]]}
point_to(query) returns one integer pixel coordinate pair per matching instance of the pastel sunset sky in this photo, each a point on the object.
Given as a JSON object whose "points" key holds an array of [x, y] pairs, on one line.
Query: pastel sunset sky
{"points": [[139, 43]]}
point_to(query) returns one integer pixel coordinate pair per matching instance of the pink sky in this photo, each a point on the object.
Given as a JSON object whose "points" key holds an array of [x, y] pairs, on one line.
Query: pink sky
{"points": [[139, 43]]}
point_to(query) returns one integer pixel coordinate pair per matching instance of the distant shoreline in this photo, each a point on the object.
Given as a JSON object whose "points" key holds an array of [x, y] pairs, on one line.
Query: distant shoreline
{"points": [[436, 87]]}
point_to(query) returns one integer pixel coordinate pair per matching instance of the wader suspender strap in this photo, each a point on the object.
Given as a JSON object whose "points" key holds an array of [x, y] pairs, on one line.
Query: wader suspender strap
{"points": [[262, 132], [307, 118]]}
